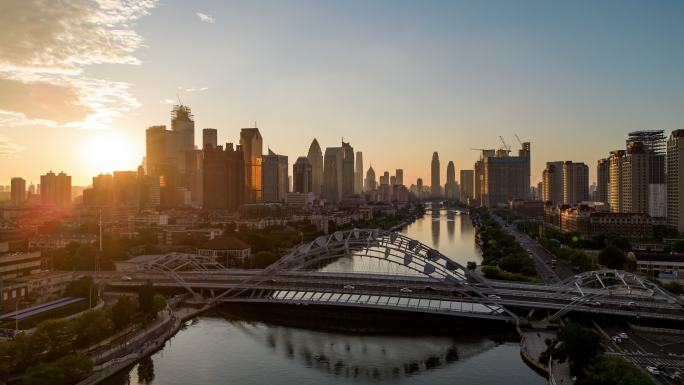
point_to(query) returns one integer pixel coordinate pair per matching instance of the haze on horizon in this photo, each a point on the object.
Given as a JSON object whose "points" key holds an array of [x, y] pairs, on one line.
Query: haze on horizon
{"points": [[80, 81]]}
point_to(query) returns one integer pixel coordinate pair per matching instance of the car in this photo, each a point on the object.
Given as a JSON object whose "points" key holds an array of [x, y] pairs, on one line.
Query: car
{"points": [[494, 296], [616, 339], [653, 370], [623, 335], [349, 287], [631, 304], [406, 290], [127, 278]]}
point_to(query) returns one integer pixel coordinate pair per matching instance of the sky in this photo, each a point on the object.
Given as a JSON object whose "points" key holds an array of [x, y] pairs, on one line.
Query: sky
{"points": [[80, 81]]}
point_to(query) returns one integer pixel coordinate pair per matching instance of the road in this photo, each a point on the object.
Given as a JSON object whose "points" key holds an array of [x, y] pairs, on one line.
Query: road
{"points": [[542, 258]]}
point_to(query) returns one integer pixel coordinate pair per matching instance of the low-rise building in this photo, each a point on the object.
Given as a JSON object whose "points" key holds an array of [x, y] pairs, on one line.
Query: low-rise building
{"points": [[60, 240], [588, 222], [226, 250], [661, 265]]}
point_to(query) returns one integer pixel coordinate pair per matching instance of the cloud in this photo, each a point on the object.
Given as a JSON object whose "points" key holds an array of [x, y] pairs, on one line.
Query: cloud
{"points": [[206, 18], [45, 47], [7, 147], [167, 101], [196, 89]]}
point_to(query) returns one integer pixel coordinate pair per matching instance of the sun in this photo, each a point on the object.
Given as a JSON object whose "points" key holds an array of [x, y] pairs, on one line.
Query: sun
{"points": [[109, 151]]}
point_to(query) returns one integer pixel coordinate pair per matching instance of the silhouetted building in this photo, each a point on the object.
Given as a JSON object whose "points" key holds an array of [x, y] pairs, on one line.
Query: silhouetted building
{"points": [[55, 190], [332, 174], [252, 149], [358, 173], [301, 175], [182, 122], [371, 182], [435, 186], [399, 173], [315, 157], [18, 191], [347, 170], [575, 183], [675, 180], [209, 137], [224, 178], [451, 188], [466, 178], [505, 177], [603, 180], [552, 183], [275, 180]]}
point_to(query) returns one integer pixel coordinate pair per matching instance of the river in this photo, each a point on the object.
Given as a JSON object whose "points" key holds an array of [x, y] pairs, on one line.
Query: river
{"points": [[224, 348]]}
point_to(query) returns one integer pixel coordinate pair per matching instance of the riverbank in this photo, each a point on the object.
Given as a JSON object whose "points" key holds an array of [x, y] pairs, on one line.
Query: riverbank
{"points": [[144, 344]]}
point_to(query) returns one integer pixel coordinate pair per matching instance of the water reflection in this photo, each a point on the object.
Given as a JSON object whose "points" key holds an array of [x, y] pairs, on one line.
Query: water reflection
{"points": [[451, 225], [436, 223]]}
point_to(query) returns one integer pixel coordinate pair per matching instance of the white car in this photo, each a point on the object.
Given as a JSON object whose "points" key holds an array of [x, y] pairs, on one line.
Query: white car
{"points": [[127, 278], [617, 339], [349, 287], [406, 290], [653, 370], [494, 296], [623, 335]]}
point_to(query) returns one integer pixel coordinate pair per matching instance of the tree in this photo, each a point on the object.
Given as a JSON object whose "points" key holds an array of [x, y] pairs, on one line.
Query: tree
{"points": [[622, 244], [159, 303], [23, 351], [146, 301], [80, 287], [122, 312], [611, 370], [612, 257], [92, 327], [66, 370], [578, 344], [146, 371], [471, 265], [55, 336]]}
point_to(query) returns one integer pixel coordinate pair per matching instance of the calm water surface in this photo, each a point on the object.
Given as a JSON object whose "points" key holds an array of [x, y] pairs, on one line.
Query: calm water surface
{"points": [[220, 348]]}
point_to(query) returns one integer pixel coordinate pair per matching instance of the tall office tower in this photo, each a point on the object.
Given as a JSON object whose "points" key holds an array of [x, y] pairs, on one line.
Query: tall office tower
{"points": [[603, 180], [332, 174], [525, 154], [252, 148], [616, 195], [419, 187], [552, 183], [478, 170], [371, 183], [316, 159], [224, 178], [575, 183], [435, 186], [347, 170], [183, 124], [393, 180], [193, 174], [358, 173], [158, 145], [301, 175], [275, 177], [675, 181], [31, 189], [505, 178], [18, 191], [450, 188], [209, 137], [399, 173], [466, 178], [385, 178], [654, 145], [55, 190], [635, 179]]}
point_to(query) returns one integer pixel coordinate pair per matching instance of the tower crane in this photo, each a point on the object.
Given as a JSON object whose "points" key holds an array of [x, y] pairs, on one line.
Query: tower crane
{"points": [[519, 141], [505, 146]]}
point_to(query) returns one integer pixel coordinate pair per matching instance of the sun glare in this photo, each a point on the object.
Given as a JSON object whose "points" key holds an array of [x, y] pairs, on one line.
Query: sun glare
{"points": [[107, 152]]}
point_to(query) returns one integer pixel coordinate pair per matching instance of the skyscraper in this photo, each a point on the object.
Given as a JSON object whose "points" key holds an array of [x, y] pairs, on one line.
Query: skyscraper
{"points": [[525, 153], [552, 183], [655, 188], [315, 157], [371, 183], [675, 181], [419, 187], [635, 175], [332, 174], [466, 178], [275, 179], [55, 190], [182, 122], [18, 191], [224, 178], [616, 198], [209, 137], [450, 188], [399, 176], [301, 175], [358, 173], [603, 180], [575, 183], [435, 186], [252, 149], [505, 177], [347, 170]]}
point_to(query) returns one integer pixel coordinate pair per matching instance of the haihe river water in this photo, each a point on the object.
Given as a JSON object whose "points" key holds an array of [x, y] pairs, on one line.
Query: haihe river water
{"points": [[222, 347]]}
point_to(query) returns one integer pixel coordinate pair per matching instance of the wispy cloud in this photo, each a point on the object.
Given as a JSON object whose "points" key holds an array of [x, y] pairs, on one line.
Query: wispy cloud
{"points": [[50, 44], [8, 147], [196, 89], [167, 101], [206, 18]]}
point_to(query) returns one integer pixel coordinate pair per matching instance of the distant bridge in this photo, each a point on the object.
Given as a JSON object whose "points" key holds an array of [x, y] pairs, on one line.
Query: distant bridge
{"points": [[416, 278]]}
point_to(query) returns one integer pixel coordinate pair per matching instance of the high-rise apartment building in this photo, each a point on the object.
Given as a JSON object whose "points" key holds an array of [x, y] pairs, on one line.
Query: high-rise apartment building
{"points": [[182, 123], [435, 186], [635, 175], [18, 191], [55, 190], [675, 180], [332, 174], [603, 180], [552, 183], [252, 149], [347, 170], [654, 144], [399, 174], [301, 176], [466, 179], [358, 173], [525, 153], [505, 177], [275, 179], [616, 159], [315, 157], [451, 188], [575, 183], [371, 182], [224, 178], [209, 137]]}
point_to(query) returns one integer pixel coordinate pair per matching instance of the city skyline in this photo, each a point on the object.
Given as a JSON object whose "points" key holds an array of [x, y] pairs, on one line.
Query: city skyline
{"points": [[465, 73]]}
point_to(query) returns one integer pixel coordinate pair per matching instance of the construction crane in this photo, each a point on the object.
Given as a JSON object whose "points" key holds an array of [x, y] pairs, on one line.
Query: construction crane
{"points": [[505, 146], [519, 141]]}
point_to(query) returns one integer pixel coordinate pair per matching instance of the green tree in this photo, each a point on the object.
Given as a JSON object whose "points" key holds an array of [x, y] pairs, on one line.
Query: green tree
{"points": [[578, 344], [146, 301], [92, 327], [611, 370], [24, 352], [622, 244], [122, 312], [65, 371], [56, 336], [159, 302], [80, 287], [612, 257]]}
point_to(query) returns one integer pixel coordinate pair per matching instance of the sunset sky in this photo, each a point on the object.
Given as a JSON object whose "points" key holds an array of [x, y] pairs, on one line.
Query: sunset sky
{"points": [[80, 82]]}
